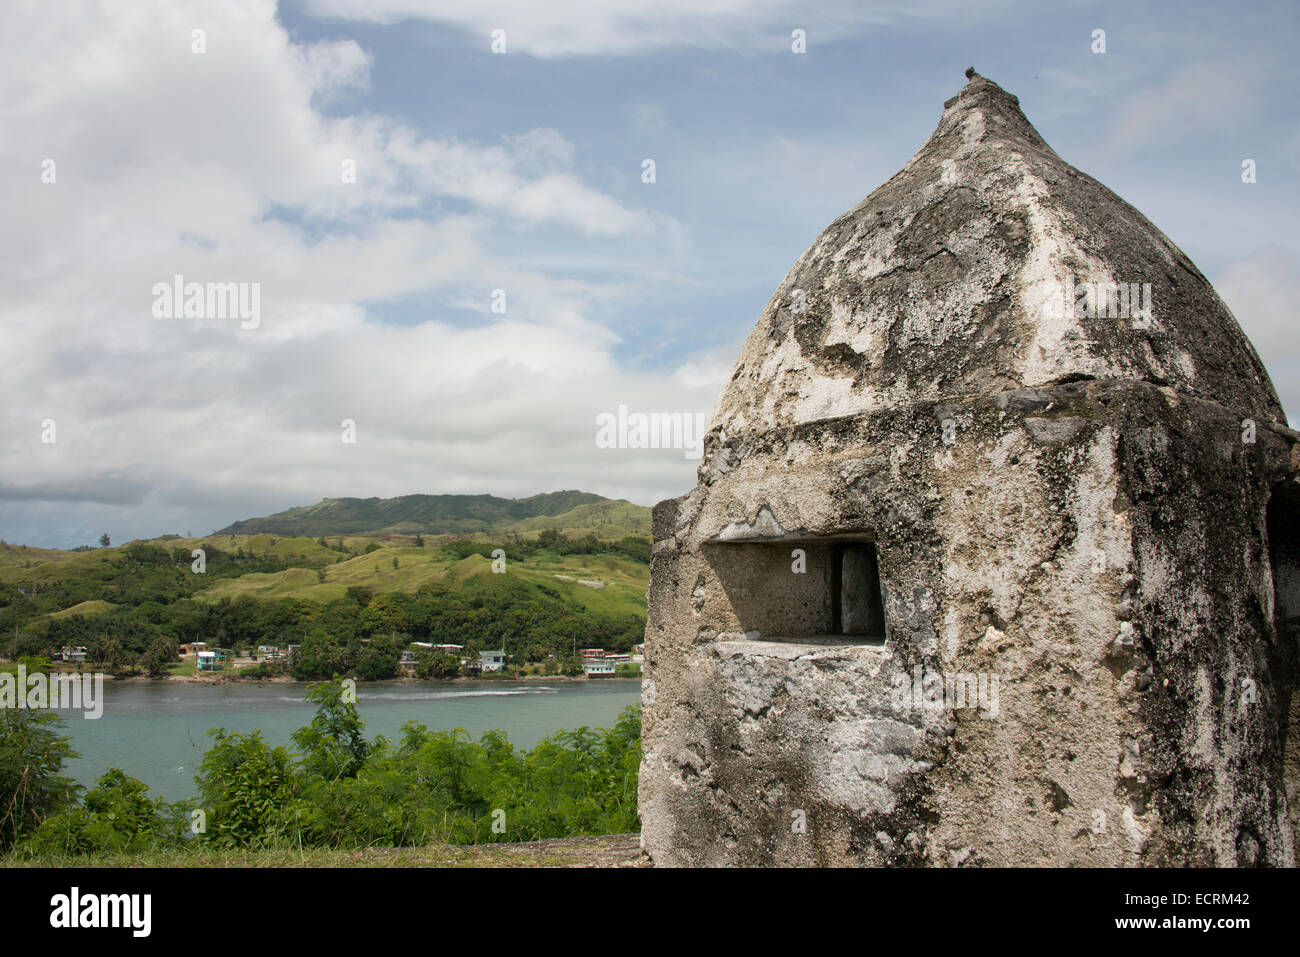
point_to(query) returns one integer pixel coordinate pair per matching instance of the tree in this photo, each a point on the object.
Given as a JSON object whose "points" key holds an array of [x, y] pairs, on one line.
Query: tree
{"points": [[377, 659], [32, 784], [436, 663], [247, 788], [106, 653], [319, 656], [160, 654], [361, 594], [104, 541], [129, 663], [333, 745]]}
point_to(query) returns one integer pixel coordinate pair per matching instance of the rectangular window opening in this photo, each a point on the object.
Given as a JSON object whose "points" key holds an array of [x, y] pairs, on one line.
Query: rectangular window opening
{"points": [[857, 597]]}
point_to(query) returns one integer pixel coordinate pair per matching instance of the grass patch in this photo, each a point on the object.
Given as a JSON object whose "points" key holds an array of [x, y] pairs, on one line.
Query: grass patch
{"points": [[623, 580], [613, 850], [96, 606]]}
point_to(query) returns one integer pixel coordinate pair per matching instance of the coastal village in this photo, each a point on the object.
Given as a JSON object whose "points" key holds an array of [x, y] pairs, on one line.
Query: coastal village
{"points": [[596, 662]]}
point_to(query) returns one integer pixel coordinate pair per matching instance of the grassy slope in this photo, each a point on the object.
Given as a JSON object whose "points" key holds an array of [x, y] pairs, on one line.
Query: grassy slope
{"points": [[96, 606], [624, 591], [56, 565], [261, 544], [615, 850], [20, 555], [606, 520], [54, 569]]}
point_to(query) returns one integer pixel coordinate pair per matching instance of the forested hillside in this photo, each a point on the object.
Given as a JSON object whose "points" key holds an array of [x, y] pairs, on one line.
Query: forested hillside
{"points": [[352, 603], [454, 515]]}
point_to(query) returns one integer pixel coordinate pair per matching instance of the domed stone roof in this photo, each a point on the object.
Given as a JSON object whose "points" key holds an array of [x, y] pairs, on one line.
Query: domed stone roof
{"points": [[972, 271]]}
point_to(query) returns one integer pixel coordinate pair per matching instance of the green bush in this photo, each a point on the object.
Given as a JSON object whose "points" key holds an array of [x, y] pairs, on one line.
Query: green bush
{"points": [[342, 790], [117, 815], [32, 784], [441, 786], [246, 788], [332, 745]]}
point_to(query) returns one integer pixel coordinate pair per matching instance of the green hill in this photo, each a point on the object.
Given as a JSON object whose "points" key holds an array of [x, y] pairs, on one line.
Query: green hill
{"points": [[25, 556], [576, 572], [604, 584], [453, 515]]}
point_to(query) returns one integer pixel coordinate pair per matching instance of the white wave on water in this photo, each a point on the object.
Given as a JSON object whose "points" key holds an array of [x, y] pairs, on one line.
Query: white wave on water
{"points": [[398, 696], [435, 695]]}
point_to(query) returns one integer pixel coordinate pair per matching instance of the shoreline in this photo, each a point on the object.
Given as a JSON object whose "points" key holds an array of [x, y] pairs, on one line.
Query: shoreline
{"points": [[229, 678], [289, 679]]}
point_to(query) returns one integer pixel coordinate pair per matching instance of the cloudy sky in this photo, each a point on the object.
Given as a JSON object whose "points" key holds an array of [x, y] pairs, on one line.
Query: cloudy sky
{"points": [[522, 171]]}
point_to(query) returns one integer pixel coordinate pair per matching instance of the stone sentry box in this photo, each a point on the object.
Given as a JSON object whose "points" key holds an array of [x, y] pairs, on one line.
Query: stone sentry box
{"points": [[1088, 522]]}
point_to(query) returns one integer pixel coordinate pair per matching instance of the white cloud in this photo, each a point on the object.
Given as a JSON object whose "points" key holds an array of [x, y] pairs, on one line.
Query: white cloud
{"points": [[333, 66], [1176, 108], [220, 167], [597, 27]]}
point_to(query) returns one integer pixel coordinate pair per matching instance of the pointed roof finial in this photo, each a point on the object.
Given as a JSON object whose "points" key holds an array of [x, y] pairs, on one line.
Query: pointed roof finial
{"points": [[970, 73]]}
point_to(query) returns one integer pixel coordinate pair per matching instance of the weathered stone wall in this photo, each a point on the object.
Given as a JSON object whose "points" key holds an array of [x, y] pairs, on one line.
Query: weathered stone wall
{"points": [[935, 284], [1041, 544], [761, 594], [1220, 673], [1284, 556]]}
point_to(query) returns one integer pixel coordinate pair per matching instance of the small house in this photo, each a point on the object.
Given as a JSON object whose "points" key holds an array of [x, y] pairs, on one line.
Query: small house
{"points": [[212, 660]]}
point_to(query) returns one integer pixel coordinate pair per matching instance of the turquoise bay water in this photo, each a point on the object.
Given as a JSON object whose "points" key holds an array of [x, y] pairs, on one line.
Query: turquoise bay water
{"points": [[157, 731]]}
